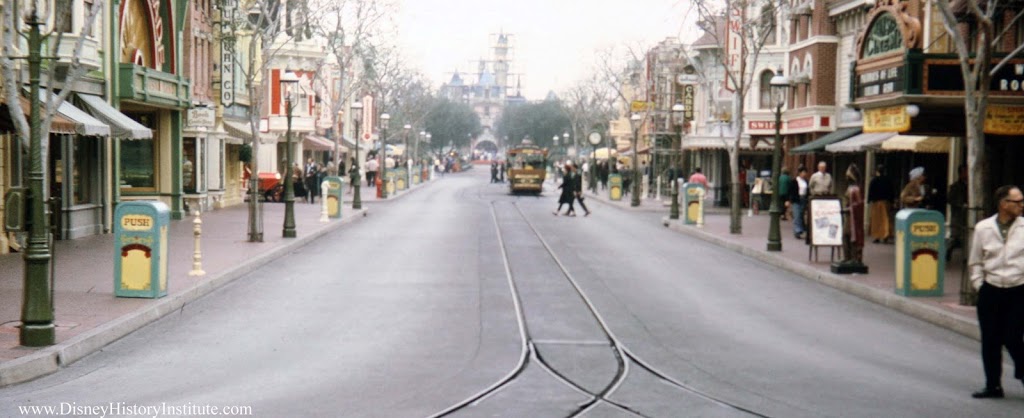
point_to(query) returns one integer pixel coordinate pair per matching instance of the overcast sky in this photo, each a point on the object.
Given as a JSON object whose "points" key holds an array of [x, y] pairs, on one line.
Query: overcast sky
{"points": [[554, 40]]}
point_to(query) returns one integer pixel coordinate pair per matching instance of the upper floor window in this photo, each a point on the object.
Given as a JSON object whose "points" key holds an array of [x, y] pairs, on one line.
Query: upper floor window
{"points": [[765, 88], [768, 26]]}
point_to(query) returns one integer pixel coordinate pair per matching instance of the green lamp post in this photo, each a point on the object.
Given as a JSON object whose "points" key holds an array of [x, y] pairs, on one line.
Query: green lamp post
{"points": [[37, 328], [383, 170], [634, 122], [779, 83], [357, 116], [679, 121], [288, 81]]}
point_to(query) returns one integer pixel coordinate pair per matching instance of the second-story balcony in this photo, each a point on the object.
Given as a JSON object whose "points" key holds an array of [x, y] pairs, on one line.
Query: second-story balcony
{"points": [[91, 57]]}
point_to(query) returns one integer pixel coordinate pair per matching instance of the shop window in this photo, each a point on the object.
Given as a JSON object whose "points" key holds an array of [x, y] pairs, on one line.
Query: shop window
{"points": [[188, 165], [138, 159], [83, 170]]}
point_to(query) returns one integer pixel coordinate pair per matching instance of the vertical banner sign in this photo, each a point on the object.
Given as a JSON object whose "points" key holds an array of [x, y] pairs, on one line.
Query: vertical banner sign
{"points": [[367, 118], [227, 54], [688, 94], [735, 48]]}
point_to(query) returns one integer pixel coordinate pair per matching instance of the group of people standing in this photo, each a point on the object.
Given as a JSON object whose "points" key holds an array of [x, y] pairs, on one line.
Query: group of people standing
{"points": [[995, 262], [307, 180]]}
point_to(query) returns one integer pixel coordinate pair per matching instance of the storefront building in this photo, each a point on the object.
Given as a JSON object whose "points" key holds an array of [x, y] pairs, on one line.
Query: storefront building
{"points": [[150, 88], [908, 84]]}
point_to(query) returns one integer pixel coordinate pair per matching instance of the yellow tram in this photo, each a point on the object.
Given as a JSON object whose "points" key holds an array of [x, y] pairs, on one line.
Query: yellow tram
{"points": [[527, 167]]}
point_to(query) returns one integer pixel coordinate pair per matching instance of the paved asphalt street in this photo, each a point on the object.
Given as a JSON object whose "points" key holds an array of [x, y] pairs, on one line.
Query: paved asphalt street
{"points": [[428, 301]]}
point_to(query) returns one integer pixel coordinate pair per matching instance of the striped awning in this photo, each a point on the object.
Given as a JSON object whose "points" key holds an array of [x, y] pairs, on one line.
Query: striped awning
{"points": [[913, 143], [317, 143], [860, 142], [819, 144], [85, 124], [121, 126]]}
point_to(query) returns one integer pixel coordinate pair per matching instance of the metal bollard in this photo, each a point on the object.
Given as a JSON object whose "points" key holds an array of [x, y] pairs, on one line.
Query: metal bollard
{"points": [[323, 202], [700, 207], [197, 256]]}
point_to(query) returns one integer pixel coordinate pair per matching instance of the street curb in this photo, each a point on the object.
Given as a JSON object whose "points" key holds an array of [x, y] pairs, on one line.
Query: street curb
{"points": [[905, 305], [53, 358]]}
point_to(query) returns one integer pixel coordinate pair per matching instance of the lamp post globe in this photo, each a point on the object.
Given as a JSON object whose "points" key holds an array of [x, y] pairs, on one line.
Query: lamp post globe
{"points": [[634, 122], [288, 82], [779, 84], [357, 114], [678, 120]]}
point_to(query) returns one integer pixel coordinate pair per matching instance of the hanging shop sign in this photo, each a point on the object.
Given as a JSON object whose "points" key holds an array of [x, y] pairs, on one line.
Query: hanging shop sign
{"points": [[886, 119], [1004, 120], [637, 106], [201, 117]]}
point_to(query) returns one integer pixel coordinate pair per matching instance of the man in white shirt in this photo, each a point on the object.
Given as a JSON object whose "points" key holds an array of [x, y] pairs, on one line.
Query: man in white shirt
{"points": [[371, 171], [997, 271], [821, 181]]}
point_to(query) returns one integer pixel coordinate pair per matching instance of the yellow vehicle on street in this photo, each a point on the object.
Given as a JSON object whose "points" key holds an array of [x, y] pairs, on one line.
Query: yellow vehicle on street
{"points": [[527, 167]]}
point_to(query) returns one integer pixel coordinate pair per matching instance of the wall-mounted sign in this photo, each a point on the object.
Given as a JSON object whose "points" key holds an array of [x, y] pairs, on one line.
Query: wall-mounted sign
{"points": [[227, 54], [761, 125], [887, 119], [367, 124], [688, 99], [687, 79], [201, 116], [876, 82], [735, 45], [640, 106], [944, 77], [800, 123], [883, 37], [1004, 120]]}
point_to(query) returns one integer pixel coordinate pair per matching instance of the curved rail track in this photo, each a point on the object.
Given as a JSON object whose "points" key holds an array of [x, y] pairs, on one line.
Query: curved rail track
{"points": [[530, 354]]}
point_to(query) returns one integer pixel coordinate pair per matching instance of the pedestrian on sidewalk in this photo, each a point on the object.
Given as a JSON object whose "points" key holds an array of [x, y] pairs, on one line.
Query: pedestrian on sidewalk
{"points": [[913, 193], [997, 272], [821, 181], [310, 177], [957, 212], [880, 197], [802, 191], [371, 171], [577, 179], [698, 178], [787, 204], [568, 192]]}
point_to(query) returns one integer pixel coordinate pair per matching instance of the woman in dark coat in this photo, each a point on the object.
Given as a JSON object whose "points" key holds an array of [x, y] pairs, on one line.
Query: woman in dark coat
{"points": [[568, 195]]}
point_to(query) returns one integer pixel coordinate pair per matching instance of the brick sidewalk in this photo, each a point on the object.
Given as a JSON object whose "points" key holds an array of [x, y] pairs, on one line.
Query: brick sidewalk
{"points": [[877, 286]]}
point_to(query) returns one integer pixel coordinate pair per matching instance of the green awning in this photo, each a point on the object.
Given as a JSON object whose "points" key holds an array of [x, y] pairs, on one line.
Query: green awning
{"points": [[819, 144]]}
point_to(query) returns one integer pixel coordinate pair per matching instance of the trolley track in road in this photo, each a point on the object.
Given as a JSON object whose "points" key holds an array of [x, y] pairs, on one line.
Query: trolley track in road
{"points": [[530, 354]]}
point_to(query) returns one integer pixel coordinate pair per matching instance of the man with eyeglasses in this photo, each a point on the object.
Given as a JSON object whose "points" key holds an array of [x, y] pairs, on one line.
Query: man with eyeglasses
{"points": [[997, 271]]}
